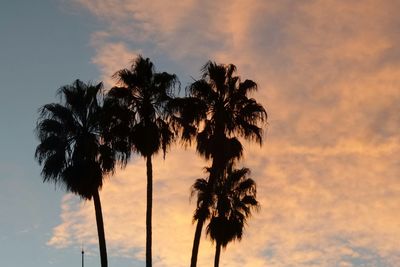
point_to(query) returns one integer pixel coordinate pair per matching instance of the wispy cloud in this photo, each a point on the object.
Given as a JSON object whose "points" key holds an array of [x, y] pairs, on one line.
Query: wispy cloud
{"points": [[328, 73], [110, 56]]}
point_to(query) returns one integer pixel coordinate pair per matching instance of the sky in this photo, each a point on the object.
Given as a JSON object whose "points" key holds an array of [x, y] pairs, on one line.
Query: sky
{"points": [[327, 174]]}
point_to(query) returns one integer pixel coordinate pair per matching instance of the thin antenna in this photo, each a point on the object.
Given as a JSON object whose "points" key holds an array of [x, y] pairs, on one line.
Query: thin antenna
{"points": [[83, 256]]}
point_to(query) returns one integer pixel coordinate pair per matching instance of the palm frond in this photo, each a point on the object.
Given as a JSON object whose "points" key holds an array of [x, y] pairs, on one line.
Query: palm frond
{"points": [[59, 113], [246, 87]]}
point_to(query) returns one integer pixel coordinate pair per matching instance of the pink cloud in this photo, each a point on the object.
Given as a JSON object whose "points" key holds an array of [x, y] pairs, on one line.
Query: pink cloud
{"points": [[110, 57]]}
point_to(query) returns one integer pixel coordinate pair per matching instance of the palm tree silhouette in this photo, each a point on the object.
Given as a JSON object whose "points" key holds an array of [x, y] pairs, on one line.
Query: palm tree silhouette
{"points": [[215, 113], [144, 95], [72, 149], [236, 197]]}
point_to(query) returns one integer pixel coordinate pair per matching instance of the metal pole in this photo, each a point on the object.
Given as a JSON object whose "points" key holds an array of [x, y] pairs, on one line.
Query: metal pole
{"points": [[83, 255]]}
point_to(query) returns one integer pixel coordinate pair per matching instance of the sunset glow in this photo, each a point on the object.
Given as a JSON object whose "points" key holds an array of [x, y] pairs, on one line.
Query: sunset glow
{"points": [[328, 173]]}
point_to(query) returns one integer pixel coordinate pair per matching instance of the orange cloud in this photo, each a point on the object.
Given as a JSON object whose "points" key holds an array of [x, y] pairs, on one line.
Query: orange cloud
{"points": [[328, 173], [110, 57]]}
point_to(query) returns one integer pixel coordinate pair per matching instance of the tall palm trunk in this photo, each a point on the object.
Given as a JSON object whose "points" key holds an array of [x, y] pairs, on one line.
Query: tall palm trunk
{"points": [[149, 210], [196, 242], [100, 229], [200, 222], [217, 254]]}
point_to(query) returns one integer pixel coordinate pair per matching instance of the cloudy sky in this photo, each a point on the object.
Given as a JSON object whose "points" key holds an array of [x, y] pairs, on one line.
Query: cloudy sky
{"points": [[327, 174]]}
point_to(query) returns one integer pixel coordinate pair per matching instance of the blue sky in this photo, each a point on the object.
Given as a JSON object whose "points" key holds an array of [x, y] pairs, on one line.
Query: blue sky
{"points": [[43, 46], [328, 174]]}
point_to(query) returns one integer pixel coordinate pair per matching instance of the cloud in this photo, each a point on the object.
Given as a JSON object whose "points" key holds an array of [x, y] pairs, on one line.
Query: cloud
{"points": [[328, 172], [346, 213], [110, 57]]}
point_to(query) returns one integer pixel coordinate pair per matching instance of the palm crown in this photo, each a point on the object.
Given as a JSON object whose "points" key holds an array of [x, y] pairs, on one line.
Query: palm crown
{"points": [[143, 94], [236, 196], [217, 111], [72, 150]]}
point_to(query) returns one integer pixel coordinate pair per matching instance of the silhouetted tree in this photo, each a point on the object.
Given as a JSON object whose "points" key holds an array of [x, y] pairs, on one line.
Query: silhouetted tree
{"points": [[72, 149], [144, 94], [236, 197], [215, 113]]}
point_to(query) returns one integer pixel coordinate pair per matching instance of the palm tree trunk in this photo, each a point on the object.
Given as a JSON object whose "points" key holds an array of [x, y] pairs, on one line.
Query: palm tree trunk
{"points": [[196, 243], [100, 229], [217, 254], [200, 221], [149, 210]]}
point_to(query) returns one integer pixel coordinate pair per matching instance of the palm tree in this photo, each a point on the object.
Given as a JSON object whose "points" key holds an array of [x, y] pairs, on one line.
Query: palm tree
{"points": [[215, 113], [236, 197], [72, 149], [144, 95]]}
